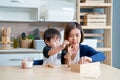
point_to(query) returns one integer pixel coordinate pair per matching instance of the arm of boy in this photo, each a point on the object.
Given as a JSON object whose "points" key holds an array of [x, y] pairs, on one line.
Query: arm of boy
{"points": [[56, 50]]}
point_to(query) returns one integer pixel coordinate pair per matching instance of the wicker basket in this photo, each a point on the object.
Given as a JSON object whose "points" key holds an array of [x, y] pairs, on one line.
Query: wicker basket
{"points": [[26, 43]]}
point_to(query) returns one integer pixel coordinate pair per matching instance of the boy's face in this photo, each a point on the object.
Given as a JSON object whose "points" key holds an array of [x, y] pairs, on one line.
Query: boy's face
{"points": [[54, 42]]}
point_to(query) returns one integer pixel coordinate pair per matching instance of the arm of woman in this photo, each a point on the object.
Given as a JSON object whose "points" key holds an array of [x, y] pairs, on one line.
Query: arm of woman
{"points": [[91, 53], [85, 59]]}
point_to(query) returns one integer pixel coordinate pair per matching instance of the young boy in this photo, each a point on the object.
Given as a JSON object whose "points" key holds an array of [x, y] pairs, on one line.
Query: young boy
{"points": [[53, 49]]}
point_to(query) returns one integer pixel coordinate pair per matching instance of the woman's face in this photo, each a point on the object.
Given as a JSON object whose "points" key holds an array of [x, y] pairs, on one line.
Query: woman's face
{"points": [[74, 37]]}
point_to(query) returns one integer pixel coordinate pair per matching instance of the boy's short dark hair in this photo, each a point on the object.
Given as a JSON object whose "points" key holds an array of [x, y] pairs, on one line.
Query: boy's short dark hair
{"points": [[51, 33]]}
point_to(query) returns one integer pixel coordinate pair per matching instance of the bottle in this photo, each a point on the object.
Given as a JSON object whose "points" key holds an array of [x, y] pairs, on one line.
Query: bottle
{"points": [[15, 43]]}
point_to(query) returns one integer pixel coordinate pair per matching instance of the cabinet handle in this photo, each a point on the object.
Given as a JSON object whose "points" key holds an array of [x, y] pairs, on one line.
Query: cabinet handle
{"points": [[15, 59], [17, 1]]}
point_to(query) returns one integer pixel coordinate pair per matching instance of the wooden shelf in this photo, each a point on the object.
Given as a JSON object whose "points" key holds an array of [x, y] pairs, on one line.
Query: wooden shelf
{"points": [[100, 5], [103, 49], [45, 20], [97, 27], [94, 29]]}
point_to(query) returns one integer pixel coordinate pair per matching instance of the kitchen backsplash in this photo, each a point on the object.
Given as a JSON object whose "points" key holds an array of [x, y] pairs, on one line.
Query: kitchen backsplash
{"points": [[18, 28]]}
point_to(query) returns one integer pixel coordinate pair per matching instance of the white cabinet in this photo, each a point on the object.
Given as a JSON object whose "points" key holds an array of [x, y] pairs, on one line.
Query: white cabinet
{"points": [[58, 10], [14, 59], [38, 10], [19, 10], [20, 3]]}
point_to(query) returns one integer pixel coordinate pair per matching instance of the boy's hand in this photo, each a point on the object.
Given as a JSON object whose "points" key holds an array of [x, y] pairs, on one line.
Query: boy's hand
{"points": [[64, 43]]}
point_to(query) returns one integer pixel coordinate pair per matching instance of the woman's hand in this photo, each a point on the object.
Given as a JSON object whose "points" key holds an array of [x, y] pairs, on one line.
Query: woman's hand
{"points": [[84, 60]]}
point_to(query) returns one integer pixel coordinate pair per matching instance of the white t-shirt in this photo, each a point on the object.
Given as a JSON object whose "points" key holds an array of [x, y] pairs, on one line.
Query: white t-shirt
{"points": [[54, 59], [77, 57]]}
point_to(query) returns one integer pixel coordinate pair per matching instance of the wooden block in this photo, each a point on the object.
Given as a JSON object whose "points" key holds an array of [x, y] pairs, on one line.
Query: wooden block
{"points": [[69, 56], [95, 24], [94, 1], [95, 16], [95, 19], [75, 67], [69, 62], [91, 70], [8, 38], [90, 67], [4, 39], [49, 65], [6, 46]]}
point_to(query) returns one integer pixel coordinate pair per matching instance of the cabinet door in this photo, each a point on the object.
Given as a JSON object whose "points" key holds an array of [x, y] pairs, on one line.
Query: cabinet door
{"points": [[58, 10], [15, 59], [19, 10], [19, 3]]}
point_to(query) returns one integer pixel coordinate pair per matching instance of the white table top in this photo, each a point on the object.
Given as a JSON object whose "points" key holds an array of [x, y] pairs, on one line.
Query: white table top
{"points": [[56, 73]]}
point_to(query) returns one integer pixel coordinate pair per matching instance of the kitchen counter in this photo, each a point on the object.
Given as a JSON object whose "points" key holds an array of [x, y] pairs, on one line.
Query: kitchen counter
{"points": [[19, 50], [13, 57]]}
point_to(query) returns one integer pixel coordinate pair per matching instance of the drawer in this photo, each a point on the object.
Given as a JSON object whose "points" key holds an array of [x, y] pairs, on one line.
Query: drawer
{"points": [[15, 59], [19, 3]]}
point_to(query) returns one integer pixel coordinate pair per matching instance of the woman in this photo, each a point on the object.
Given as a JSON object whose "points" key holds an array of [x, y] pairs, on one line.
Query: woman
{"points": [[80, 53]]}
